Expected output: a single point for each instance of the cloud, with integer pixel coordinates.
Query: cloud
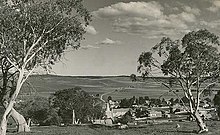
(147, 18)
(131, 9)
(213, 9)
(90, 29)
(215, 6)
(215, 24)
(89, 47)
(187, 17)
(194, 11)
(108, 41)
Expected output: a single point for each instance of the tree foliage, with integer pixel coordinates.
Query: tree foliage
(78, 100)
(133, 77)
(39, 111)
(193, 61)
(36, 34)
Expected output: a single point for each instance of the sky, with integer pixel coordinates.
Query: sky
(122, 29)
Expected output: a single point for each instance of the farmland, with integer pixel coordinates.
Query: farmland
(121, 86)
(44, 85)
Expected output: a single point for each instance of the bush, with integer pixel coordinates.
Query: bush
(126, 118)
(84, 105)
(39, 111)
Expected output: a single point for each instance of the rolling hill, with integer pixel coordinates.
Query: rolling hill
(118, 86)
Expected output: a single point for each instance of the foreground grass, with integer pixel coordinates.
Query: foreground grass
(186, 128)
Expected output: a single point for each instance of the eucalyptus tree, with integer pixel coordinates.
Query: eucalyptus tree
(133, 77)
(193, 62)
(85, 106)
(35, 34)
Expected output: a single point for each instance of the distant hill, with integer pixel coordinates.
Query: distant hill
(47, 84)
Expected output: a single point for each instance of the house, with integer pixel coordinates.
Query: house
(113, 104)
(117, 113)
(154, 114)
(207, 113)
(177, 108)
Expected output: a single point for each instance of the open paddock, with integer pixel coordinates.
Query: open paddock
(186, 128)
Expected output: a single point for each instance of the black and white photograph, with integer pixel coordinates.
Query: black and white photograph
(109, 67)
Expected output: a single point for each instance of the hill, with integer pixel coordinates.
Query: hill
(118, 86)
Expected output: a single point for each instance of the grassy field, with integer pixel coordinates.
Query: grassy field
(47, 84)
(186, 128)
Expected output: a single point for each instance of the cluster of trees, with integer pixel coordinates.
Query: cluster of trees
(59, 107)
(34, 34)
(151, 102)
(127, 103)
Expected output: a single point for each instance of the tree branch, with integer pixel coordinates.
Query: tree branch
(31, 57)
(54, 26)
(29, 73)
(12, 63)
(171, 90)
(207, 87)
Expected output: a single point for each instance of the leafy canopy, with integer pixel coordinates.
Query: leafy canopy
(195, 55)
(78, 100)
(37, 32)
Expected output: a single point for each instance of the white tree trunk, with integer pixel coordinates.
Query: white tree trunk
(10, 104)
(3, 126)
(200, 122)
(74, 118)
(22, 125)
(20, 121)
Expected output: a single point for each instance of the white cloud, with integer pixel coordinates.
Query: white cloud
(148, 18)
(108, 41)
(90, 29)
(194, 11)
(188, 17)
(175, 9)
(89, 47)
(131, 9)
(213, 9)
(216, 3)
(215, 6)
(212, 24)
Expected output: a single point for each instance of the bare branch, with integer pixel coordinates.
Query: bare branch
(28, 74)
(54, 26)
(31, 48)
(207, 87)
(14, 65)
(34, 54)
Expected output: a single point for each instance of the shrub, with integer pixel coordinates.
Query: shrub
(39, 111)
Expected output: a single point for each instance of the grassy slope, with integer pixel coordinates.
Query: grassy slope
(47, 84)
(186, 128)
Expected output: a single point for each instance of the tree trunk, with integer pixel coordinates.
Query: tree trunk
(20, 121)
(200, 122)
(74, 118)
(22, 125)
(9, 105)
(3, 126)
